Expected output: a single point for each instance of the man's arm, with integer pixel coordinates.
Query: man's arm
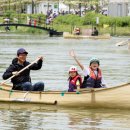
(9, 72)
(37, 65)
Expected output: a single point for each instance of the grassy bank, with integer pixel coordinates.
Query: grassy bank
(119, 26)
(23, 19)
(113, 25)
(118, 31)
(23, 30)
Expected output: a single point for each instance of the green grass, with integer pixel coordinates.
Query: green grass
(66, 23)
(24, 30)
(119, 31)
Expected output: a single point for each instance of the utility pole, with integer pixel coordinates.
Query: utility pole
(80, 9)
(58, 6)
(9, 4)
(32, 7)
(48, 6)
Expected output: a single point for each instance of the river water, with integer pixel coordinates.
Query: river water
(115, 64)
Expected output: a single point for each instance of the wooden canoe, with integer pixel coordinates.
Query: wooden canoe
(72, 36)
(114, 97)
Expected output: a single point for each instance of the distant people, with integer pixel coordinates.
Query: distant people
(47, 21)
(75, 80)
(7, 28)
(39, 20)
(22, 81)
(35, 22)
(95, 32)
(93, 77)
(54, 15)
(77, 30)
(29, 19)
(6, 21)
(30, 22)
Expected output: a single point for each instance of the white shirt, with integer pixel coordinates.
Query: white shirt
(87, 72)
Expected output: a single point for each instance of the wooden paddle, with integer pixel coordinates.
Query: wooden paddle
(122, 43)
(20, 71)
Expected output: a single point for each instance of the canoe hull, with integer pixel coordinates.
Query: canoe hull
(116, 97)
(71, 36)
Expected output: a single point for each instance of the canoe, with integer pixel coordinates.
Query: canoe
(113, 97)
(67, 35)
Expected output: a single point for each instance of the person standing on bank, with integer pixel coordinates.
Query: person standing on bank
(22, 81)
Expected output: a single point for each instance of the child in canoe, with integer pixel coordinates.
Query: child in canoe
(75, 80)
(92, 75)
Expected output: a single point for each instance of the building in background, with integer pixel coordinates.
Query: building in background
(42, 7)
(55, 5)
(119, 8)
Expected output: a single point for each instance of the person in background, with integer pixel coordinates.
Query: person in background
(22, 81)
(75, 80)
(93, 77)
(77, 31)
(95, 32)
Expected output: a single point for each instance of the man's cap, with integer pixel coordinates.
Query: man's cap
(21, 51)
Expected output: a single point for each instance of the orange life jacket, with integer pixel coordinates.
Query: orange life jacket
(72, 83)
(94, 76)
(92, 80)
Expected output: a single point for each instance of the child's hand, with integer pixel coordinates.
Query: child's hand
(72, 53)
(103, 86)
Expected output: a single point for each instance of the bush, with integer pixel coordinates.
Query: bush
(69, 19)
(90, 18)
(9, 13)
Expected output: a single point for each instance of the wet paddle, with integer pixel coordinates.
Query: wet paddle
(122, 43)
(20, 71)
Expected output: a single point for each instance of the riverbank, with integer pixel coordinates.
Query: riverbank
(115, 26)
(119, 31)
(22, 30)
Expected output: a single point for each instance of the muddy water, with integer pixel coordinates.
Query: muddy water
(115, 63)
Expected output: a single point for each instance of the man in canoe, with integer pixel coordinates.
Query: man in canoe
(93, 75)
(22, 81)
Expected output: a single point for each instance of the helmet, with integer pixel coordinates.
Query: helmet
(73, 69)
(94, 60)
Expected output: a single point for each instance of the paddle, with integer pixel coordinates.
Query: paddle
(20, 71)
(122, 43)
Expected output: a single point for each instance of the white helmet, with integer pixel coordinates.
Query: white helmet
(73, 69)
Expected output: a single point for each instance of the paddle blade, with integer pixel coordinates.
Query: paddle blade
(122, 43)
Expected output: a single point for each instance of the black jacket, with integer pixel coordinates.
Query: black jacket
(23, 76)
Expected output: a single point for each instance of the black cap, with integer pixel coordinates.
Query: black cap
(21, 51)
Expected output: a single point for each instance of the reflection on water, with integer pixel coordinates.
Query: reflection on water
(115, 63)
(48, 118)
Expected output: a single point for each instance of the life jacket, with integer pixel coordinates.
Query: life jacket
(93, 80)
(72, 82)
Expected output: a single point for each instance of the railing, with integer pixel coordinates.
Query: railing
(49, 29)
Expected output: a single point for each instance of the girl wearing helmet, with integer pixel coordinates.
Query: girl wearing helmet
(93, 75)
(75, 80)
